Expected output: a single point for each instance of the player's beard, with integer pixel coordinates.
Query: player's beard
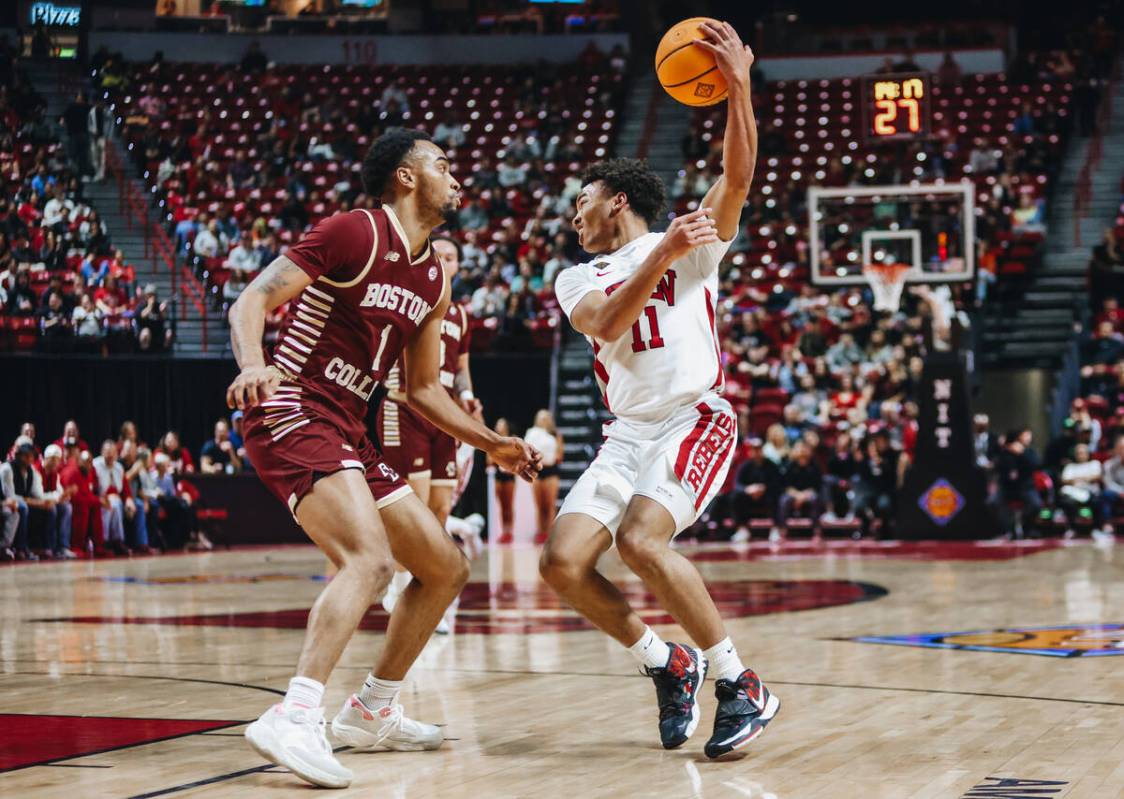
(449, 212)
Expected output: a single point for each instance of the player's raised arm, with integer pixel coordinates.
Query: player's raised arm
(426, 394)
(739, 146)
(608, 317)
(278, 283)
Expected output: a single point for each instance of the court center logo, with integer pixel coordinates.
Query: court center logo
(941, 502)
(1070, 641)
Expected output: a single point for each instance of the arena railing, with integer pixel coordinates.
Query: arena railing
(1083, 192)
(133, 208)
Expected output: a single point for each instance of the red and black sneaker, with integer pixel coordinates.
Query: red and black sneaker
(745, 706)
(677, 689)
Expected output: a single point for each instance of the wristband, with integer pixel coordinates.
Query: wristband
(467, 394)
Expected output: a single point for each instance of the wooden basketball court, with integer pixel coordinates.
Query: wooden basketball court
(137, 678)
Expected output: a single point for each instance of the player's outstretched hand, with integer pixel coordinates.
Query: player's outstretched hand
(252, 386)
(731, 56)
(689, 231)
(518, 457)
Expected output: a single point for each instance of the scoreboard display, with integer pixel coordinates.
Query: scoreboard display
(897, 106)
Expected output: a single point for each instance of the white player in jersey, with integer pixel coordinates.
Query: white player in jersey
(647, 303)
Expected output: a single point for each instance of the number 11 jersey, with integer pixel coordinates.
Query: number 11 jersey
(670, 358)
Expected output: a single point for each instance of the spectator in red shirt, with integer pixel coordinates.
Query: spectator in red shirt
(71, 437)
(27, 429)
(78, 477)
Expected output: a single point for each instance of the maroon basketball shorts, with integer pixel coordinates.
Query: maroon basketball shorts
(416, 447)
(289, 465)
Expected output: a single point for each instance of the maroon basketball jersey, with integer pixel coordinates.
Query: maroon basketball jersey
(454, 342)
(344, 331)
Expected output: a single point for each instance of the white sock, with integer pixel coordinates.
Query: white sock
(303, 692)
(376, 693)
(456, 526)
(650, 650)
(401, 580)
(724, 661)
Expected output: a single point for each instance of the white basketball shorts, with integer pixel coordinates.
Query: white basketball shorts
(681, 463)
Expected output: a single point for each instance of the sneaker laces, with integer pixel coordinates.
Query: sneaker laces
(392, 722)
(314, 718)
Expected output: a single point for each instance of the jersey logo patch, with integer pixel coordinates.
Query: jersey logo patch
(433, 273)
(392, 256)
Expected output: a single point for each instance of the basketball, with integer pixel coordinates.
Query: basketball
(686, 72)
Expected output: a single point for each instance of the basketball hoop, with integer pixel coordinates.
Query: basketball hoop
(886, 281)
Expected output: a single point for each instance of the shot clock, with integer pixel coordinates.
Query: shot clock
(897, 106)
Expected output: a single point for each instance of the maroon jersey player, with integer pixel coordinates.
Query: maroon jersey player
(364, 288)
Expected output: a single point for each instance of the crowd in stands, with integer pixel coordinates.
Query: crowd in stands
(247, 161)
(66, 500)
(63, 286)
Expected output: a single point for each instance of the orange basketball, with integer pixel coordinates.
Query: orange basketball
(686, 72)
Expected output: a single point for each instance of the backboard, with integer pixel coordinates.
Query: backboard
(930, 227)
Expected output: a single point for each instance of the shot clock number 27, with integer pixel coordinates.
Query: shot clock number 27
(896, 106)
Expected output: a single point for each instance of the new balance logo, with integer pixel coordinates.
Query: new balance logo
(392, 256)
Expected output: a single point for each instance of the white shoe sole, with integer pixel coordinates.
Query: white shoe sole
(261, 738)
(696, 711)
(362, 741)
(771, 709)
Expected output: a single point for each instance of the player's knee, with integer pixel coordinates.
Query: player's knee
(638, 549)
(556, 569)
(461, 571)
(375, 569)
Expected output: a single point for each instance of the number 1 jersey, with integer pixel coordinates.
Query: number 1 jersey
(670, 357)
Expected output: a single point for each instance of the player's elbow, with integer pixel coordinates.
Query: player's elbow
(606, 326)
(243, 307)
(419, 395)
(739, 181)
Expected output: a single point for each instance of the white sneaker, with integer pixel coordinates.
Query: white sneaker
(360, 728)
(775, 536)
(740, 536)
(1104, 538)
(295, 739)
(474, 544)
(448, 623)
(394, 590)
(477, 521)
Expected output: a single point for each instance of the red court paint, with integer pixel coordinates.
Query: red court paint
(31, 740)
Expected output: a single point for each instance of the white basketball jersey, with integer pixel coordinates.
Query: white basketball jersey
(670, 358)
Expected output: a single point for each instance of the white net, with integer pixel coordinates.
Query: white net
(887, 282)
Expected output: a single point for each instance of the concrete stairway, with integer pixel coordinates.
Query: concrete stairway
(1038, 334)
(664, 150)
(579, 410)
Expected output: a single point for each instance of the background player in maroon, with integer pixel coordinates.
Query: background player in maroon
(365, 288)
(412, 445)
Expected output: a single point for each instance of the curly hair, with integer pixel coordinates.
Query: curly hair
(447, 237)
(643, 187)
(385, 155)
